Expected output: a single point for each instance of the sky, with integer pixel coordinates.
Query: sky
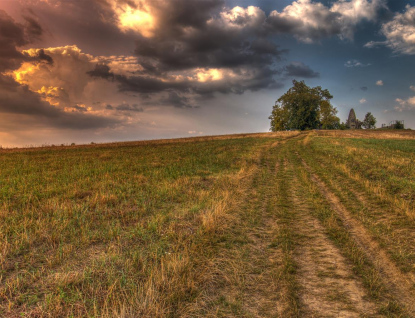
(115, 70)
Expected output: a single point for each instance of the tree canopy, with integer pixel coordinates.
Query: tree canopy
(399, 125)
(369, 122)
(303, 107)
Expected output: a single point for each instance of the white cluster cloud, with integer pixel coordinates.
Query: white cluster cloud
(355, 63)
(352, 12)
(238, 17)
(379, 83)
(362, 101)
(399, 33)
(412, 88)
(310, 21)
(407, 104)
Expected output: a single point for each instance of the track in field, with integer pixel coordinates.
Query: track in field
(298, 246)
(297, 269)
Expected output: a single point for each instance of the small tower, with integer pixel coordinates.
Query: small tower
(351, 121)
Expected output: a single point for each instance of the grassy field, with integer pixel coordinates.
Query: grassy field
(314, 224)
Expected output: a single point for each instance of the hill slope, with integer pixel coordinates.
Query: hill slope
(289, 224)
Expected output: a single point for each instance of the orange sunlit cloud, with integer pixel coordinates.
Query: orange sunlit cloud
(136, 16)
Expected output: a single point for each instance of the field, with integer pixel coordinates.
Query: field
(311, 224)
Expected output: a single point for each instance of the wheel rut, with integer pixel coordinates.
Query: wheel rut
(264, 293)
(400, 285)
(328, 287)
(253, 285)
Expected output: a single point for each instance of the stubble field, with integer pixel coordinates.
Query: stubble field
(314, 224)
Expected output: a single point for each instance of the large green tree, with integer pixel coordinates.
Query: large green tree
(369, 122)
(303, 107)
(328, 118)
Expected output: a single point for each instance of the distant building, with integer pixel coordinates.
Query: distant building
(352, 121)
(395, 124)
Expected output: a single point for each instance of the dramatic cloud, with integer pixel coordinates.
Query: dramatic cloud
(185, 50)
(298, 69)
(72, 81)
(62, 79)
(311, 21)
(379, 83)
(150, 18)
(19, 99)
(17, 96)
(399, 33)
(91, 24)
(355, 63)
(194, 49)
(101, 70)
(190, 50)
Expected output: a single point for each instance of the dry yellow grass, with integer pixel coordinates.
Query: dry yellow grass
(209, 226)
(368, 133)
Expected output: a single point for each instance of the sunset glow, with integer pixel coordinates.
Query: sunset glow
(209, 75)
(138, 20)
(50, 94)
(21, 74)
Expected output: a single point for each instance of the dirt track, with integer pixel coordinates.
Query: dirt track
(316, 275)
(401, 285)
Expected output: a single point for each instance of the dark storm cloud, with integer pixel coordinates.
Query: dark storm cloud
(298, 69)
(12, 35)
(192, 36)
(34, 29)
(363, 88)
(203, 34)
(148, 85)
(44, 57)
(101, 70)
(91, 22)
(18, 99)
(174, 15)
(256, 79)
(212, 47)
